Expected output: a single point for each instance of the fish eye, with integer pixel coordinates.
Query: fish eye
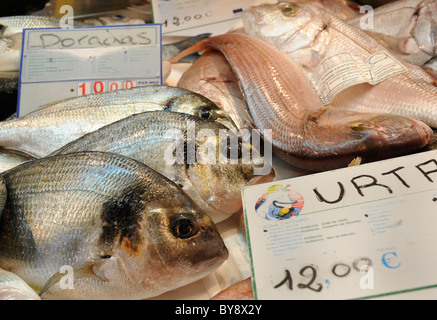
(361, 126)
(207, 113)
(184, 228)
(288, 9)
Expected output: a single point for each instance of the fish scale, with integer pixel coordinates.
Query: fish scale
(304, 133)
(108, 217)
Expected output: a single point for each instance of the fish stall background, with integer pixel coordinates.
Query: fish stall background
(85, 9)
(238, 266)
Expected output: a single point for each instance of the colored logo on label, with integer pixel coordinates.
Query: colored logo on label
(279, 203)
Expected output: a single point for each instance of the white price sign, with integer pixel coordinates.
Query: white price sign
(192, 17)
(360, 232)
(63, 63)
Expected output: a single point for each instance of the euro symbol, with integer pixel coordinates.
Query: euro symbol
(389, 258)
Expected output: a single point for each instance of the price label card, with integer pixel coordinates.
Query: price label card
(192, 17)
(360, 232)
(63, 63)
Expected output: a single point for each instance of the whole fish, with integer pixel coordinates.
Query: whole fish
(304, 132)
(408, 28)
(12, 158)
(12, 287)
(47, 129)
(97, 225)
(308, 34)
(213, 183)
(212, 77)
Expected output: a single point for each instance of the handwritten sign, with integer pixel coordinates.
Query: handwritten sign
(192, 17)
(360, 232)
(63, 63)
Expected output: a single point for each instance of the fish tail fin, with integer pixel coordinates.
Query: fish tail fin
(184, 44)
(199, 46)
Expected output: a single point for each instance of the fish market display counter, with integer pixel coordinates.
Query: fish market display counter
(347, 117)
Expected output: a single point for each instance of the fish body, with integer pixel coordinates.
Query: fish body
(115, 228)
(11, 158)
(308, 34)
(16, 24)
(52, 126)
(304, 132)
(408, 28)
(13, 287)
(158, 138)
(212, 76)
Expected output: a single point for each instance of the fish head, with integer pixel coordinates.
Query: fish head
(176, 244)
(226, 162)
(200, 106)
(293, 28)
(371, 136)
(425, 29)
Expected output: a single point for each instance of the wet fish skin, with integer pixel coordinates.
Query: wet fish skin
(408, 28)
(311, 34)
(305, 133)
(13, 287)
(152, 137)
(212, 76)
(15, 24)
(125, 230)
(12, 158)
(343, 9)
(52, 126)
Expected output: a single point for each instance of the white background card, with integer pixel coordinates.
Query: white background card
(192, 17)
(360, 232)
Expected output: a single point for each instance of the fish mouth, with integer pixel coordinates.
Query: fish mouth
(212, 263)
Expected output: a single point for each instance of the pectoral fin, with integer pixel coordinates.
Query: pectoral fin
(85, 268)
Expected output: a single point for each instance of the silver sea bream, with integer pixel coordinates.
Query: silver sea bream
(52, 126)
(209, 162)
(121, 229)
